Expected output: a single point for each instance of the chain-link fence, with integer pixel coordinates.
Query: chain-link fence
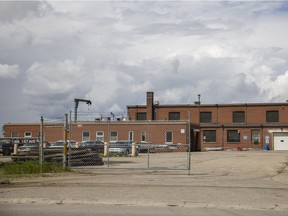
(51, 133)
(42, 147)
(134, 145)
(161, 145)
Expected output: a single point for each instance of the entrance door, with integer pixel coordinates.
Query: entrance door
(281, 141)
(194, 140)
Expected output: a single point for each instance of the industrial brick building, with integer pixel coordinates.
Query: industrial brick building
(249, 125)
(202, 126)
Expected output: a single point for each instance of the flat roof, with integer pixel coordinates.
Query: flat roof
(214, 105)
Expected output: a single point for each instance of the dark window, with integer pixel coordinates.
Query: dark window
(100, 136)
(238, 117)
(85, 136)
(209, 135)
(174, 115)
(205, 117)
(15, 135)
(255, 136)
(141, 116)
(143, 136)
(233, 136)
(169, 137)
(272, 116)
(113, 136)
(131, 135)
(27, 134)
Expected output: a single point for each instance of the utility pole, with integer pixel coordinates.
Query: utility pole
(76, 102)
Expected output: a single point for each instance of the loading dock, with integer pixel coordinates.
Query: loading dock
(280, 140)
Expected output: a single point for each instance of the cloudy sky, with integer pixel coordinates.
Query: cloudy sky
(112, 53)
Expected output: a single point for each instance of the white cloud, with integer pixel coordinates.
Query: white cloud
(269, 32)
(115, 108)
(227, 51)
(9, 71)
(13, 37)
(15, 10)
(56, 77)
(56, 84)
(279, 87)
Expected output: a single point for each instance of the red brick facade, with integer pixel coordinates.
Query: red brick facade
(139, 132)
(254, 128)
(251, 125)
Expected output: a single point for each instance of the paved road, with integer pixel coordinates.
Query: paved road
(114, 210)
(221, 183)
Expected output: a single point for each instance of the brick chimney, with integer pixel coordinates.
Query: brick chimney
(150, 105)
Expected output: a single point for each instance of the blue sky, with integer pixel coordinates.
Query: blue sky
(112, 53)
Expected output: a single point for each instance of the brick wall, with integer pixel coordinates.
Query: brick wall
(221, 122)
(155, 131)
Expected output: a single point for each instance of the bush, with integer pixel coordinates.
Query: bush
(31, 167)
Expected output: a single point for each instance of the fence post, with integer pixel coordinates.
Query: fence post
(15, 148)
(189, 143)
(108, 146)
(133, 150)
(41, 146)
(70, 138)
(105, 149)
(65, 141)
(149, 142)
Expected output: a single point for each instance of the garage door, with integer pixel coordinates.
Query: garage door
(280, 141)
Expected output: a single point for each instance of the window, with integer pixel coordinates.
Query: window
(27, 135)
(143, 136)
(255, 136)
(272, 116)
(131, 136)
(205, 117)
(233, 136)
(141, 116)
(174, 115)
(85, 136)
(169, 137)
(100, 136)
(209, 135)
(15, 135)
(113, 136)
(238, 117)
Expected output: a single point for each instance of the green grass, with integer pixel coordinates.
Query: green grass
(31, 167)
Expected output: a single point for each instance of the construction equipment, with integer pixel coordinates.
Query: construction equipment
(76, 102)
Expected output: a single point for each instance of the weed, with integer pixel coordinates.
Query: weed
(32, 167)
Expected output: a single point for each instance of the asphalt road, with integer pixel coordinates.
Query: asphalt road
(115, 210)
(221, 183)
